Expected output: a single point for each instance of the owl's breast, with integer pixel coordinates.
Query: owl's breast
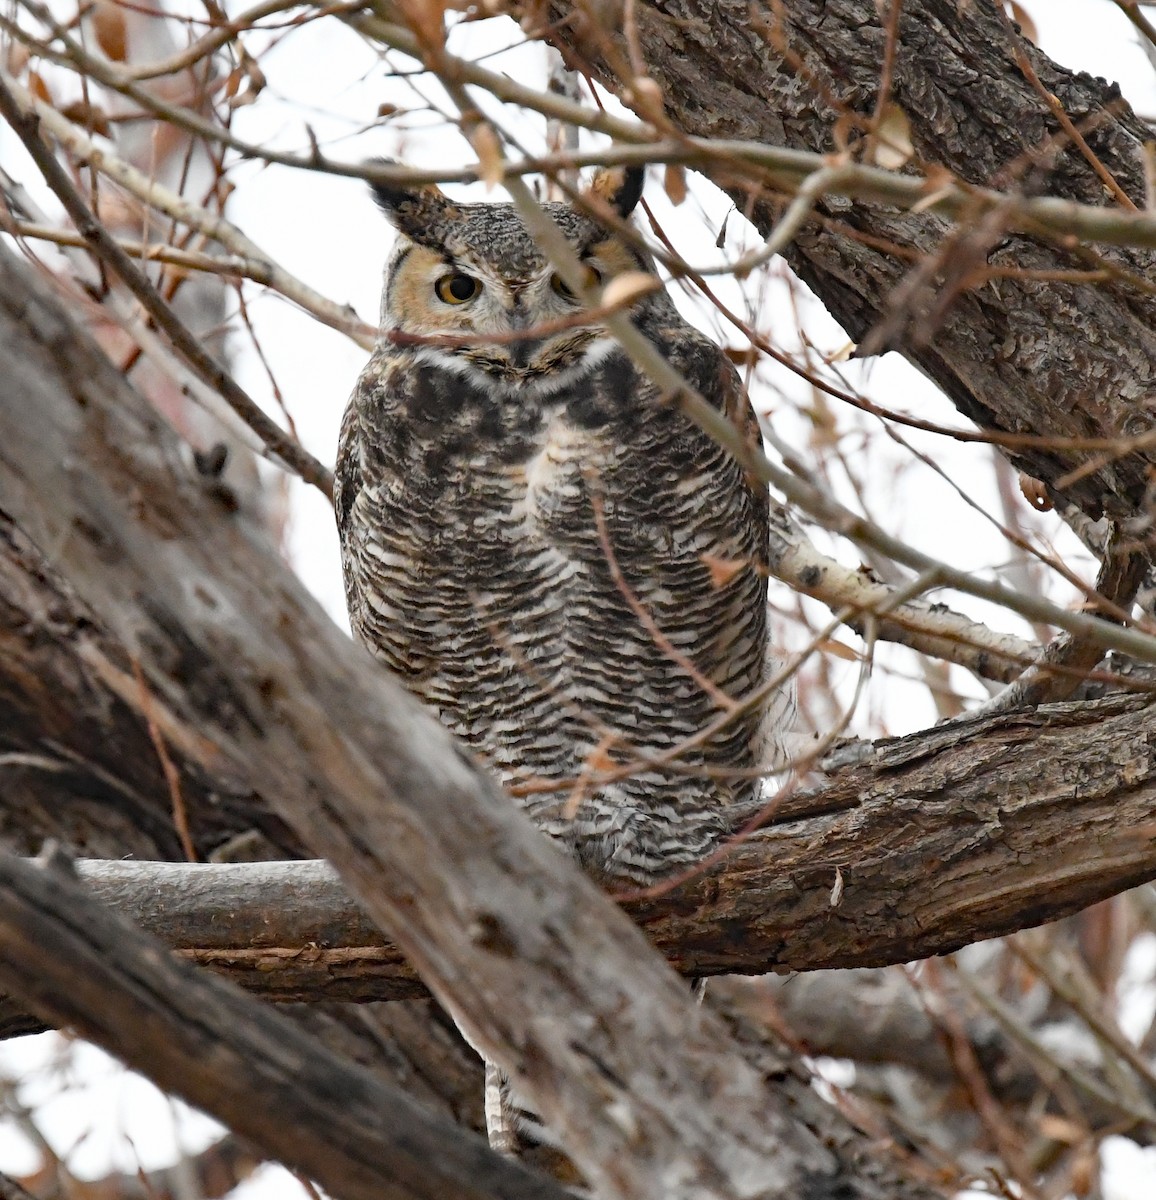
(556, 474)
(451, 424)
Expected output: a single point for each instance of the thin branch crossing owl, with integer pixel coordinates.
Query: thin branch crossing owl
(546, 551)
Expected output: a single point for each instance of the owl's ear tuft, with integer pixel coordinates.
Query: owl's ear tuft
(420, 213)
(620, 187)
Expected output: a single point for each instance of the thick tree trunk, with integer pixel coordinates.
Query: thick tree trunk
(80, 762)
(934, 841)
(86, 968)
(1019, 354)
(235, 670)
(144, 625)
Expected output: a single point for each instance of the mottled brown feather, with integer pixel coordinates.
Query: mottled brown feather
(477, 490)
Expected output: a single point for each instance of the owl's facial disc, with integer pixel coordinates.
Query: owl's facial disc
(528, 329)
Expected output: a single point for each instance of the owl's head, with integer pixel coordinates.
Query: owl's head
(469, 270)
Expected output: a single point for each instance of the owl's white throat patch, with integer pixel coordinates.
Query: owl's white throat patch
(510, 381)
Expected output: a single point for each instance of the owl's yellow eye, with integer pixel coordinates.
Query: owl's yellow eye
(457, 288)
(562, 288)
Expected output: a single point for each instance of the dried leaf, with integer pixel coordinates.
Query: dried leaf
(674, 182)
(720, 241)
(838, 650)
(624, 289)
(246, 69)
(488, 148)
(88, 116)
(257, 80)
(648, 98)
(1061, 1129)
(1036, 493)
(111, 29)
(893, 145)
(428, 20)
(39, 88)
(722, 570)
(742, 356)
(1023, 19)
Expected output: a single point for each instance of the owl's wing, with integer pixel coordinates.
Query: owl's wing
(703, 363)
(347, 476)
(706, 365)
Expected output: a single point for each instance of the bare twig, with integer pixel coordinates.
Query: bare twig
(1057, 672)
(806, 495)
(259, 265)
(276, 443)
(778, 167)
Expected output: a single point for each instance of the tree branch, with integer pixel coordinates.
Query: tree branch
(1011, 351)
(83, 967)
(940, 839)
(275, 441)
(208, 635)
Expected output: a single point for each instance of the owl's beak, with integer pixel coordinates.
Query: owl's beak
(522, 352)
(524, 349)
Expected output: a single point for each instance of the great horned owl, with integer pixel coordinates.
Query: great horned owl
(546, 551)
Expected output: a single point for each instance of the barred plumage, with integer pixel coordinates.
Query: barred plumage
(569, 572)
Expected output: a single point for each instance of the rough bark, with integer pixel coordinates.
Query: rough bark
(1013, 354)
(84, 967)
(1020, 355)
(237, 670)
(79, 762)
(81, 766)
(937, 840)
(80, 965)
